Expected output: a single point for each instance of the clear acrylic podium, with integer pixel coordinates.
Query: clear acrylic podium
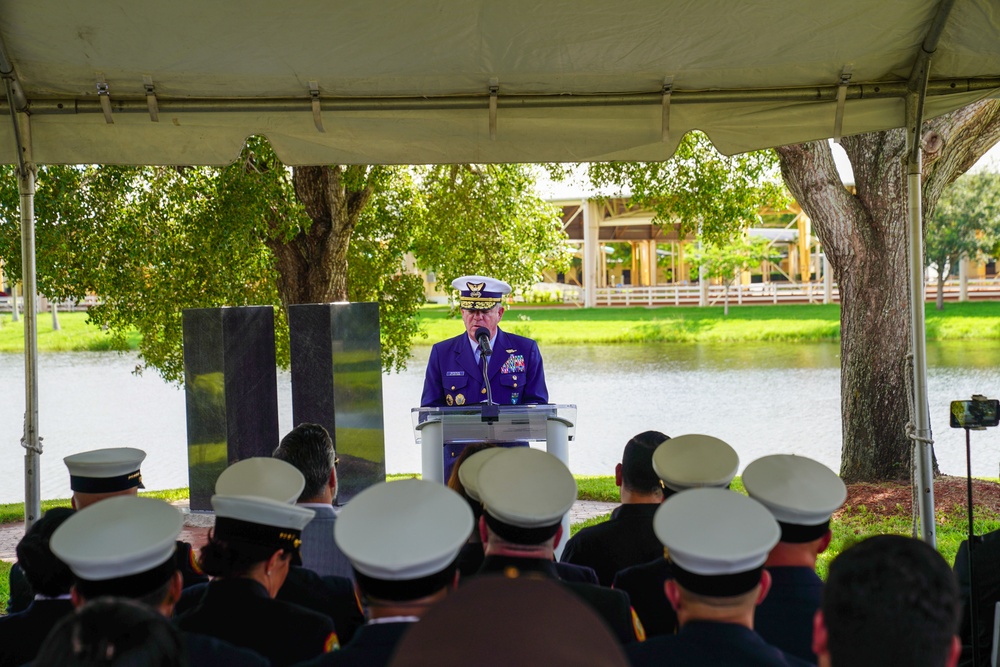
(555, 425)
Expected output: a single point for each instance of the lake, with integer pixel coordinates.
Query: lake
(761, 398)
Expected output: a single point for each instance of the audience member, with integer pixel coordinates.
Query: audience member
(22, 634)
(525, 493)
(403, 539)
(718, 542)
(498, 622)
(889, 601)
(684, 462)
(987, 566)
(124, 547)
(627, 538)
(254, 543)
(310, 449)
(330, 595)
(113, 632)
(94, 476)
(802, 495)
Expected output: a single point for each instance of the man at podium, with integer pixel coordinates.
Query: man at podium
(457, 366)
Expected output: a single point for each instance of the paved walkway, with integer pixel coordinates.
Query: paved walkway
(196, 525)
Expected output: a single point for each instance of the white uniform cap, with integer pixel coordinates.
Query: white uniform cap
(264, 477)
(797, 489)
(403, 530)
(480, 292)
(526, 488)
(262, 511)
(105, 470)
(118, 537)
(714, 532)
(695, 460)
(468, 472)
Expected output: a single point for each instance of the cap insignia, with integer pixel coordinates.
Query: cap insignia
(476, 289)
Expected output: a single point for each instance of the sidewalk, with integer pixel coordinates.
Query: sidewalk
(196, 526)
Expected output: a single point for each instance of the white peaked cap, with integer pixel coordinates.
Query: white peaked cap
(262, 511)
(118, 537)
(403, 530)
(468, 471)
(695, 460)
(489, 284)
(263, 477)
(797, 489)
(113, 469)
(527, 488)
(713, 532)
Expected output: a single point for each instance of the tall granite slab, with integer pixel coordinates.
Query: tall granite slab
(231, 391)
(336, 359)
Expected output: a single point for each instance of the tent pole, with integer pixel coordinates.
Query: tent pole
(30, 441)
(923, 460)
(26, 187)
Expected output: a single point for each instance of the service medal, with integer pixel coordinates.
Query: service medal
(449, 400)
(460, 399)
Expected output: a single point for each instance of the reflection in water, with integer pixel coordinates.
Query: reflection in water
(762, 398)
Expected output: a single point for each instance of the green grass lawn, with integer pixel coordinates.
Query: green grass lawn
(74, 335)
(782, 323)
(595, 326)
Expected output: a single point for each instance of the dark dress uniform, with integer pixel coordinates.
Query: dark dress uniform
(205, 651)
(239, 611)
(785, 617)
(701, 643)
(612, 606)
(470, 559)
(372, 646)
(987, 566)
(331, 596)
(644, 586)
(22, 634)
(515, 371)
(626, 539)
(21, 594)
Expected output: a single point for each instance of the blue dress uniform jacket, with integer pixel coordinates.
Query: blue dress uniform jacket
(644, 585)
(785, 617)
(625, 540)
(372, 646)
(22, 634)
(515, 371)
(612, 606)
(239, 611)
(700, 643)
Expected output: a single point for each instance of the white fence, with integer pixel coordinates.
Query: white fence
(44, 305)
(773, 293)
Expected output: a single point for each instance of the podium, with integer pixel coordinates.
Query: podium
(555, 425)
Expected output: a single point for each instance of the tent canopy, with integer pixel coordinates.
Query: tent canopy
(397, 81)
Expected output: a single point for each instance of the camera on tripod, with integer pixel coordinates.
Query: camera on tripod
(977, 414)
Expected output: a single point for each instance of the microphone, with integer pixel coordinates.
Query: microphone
(483, 336)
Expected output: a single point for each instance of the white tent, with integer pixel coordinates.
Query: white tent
(394, 81)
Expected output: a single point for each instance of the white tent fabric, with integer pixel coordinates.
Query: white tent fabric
(409, 82)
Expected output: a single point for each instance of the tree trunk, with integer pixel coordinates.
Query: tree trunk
(864, 235)
(312, 266)
(939, 301)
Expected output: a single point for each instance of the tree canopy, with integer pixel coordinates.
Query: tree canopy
(152, 241)
(965, 223)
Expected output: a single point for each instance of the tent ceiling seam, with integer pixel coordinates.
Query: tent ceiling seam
(829, 93)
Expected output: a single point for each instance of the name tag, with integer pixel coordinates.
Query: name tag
(453, 374)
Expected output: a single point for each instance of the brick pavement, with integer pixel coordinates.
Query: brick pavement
(196, 525)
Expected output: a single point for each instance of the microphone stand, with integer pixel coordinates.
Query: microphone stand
(491, 411)
(973, 600)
